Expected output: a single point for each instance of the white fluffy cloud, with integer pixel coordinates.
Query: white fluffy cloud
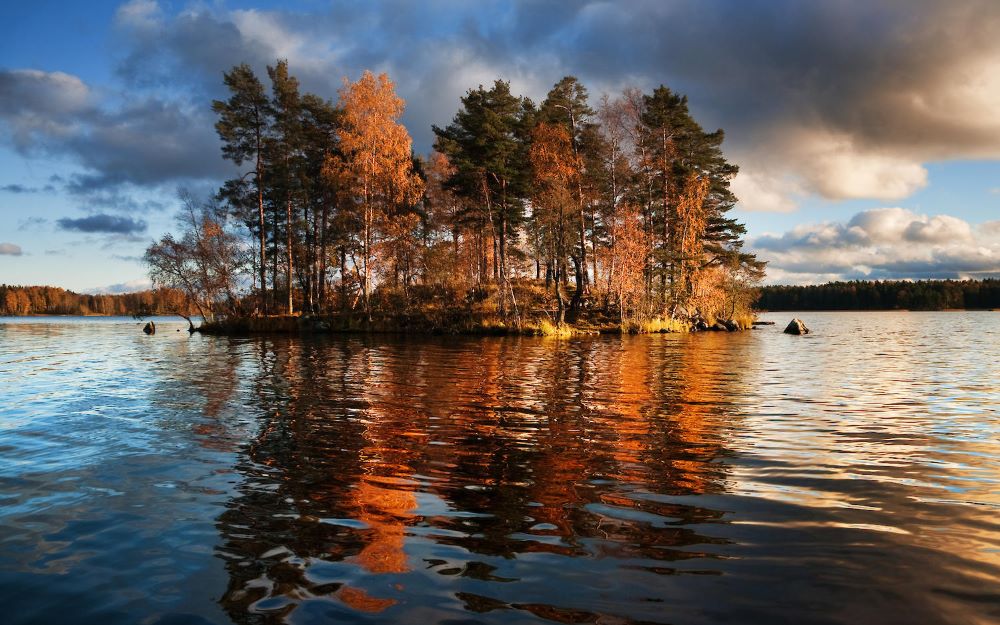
(764, 192)
(882, 243)
(132, 286)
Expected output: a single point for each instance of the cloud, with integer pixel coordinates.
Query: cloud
(764, 192)
(9, 249)
(842, 96)
(104, 224)
(31, 223)
(139, 15)
(144, 140)
(132, 286)
(17, 188)
(839, 99)
(36, 94)
(883, 243)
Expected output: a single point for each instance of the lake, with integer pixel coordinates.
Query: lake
(847, 476)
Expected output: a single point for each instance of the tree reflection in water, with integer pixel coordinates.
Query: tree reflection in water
(441, 477)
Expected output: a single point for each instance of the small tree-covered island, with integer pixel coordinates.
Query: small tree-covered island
(554, 218)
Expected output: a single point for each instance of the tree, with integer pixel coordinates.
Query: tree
(554, 176)
(566, 105)
(374, 169)
(205, 263)
(683, 163)
(319, 141)
(286, 155)
(626, 274)
(487, 144)
(245, 122)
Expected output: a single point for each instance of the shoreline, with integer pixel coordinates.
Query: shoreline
(485, 326)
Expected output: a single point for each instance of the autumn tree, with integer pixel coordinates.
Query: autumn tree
(566, 105)
(374, 169)
(688, 180)
(627, 264)
(205, 262)
(554, 174)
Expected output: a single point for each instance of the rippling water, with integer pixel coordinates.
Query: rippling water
(848, 476)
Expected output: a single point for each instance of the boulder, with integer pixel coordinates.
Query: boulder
(149, 328)
(719, 327)
(731, 325)
(795, 326)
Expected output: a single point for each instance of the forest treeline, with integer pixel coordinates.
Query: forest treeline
(883, 295)
(615, 209)
(50, 300)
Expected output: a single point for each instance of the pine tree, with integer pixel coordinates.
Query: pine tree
(487, 144)
(245, 126)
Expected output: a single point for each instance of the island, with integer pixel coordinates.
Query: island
(554, 218)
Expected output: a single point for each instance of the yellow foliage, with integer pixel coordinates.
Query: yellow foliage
(661, 324)
(547, 328)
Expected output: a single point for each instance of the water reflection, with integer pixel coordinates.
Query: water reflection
(475, 475)
(841, 477)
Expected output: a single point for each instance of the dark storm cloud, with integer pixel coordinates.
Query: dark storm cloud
(145, 142)
(103, 224)
(844, 99)
(852, 97)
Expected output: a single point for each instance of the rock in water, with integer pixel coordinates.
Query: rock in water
(149, 328)
(795, 326)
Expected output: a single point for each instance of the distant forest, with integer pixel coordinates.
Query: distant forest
(50, 300)
(883, 295)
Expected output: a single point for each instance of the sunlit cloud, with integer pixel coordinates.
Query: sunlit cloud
(883, 243)
(10, 249)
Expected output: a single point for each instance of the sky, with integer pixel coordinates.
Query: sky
(867, 132)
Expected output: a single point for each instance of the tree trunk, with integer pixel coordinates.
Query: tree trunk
(288, 251)
(574, 304)
(263, 235)
(560, 306)
(322, 259)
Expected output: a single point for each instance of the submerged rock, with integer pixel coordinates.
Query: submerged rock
(149, 328)
(795, 326)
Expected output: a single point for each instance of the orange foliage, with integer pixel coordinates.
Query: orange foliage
(376, 170)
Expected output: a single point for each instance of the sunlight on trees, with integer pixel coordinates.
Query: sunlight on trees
(558, 212)
(205, 262)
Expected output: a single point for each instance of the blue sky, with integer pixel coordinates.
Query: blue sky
(868, 133)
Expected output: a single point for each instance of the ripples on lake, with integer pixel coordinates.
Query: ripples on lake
(849, 476)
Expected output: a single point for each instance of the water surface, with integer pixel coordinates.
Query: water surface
(848, 476)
